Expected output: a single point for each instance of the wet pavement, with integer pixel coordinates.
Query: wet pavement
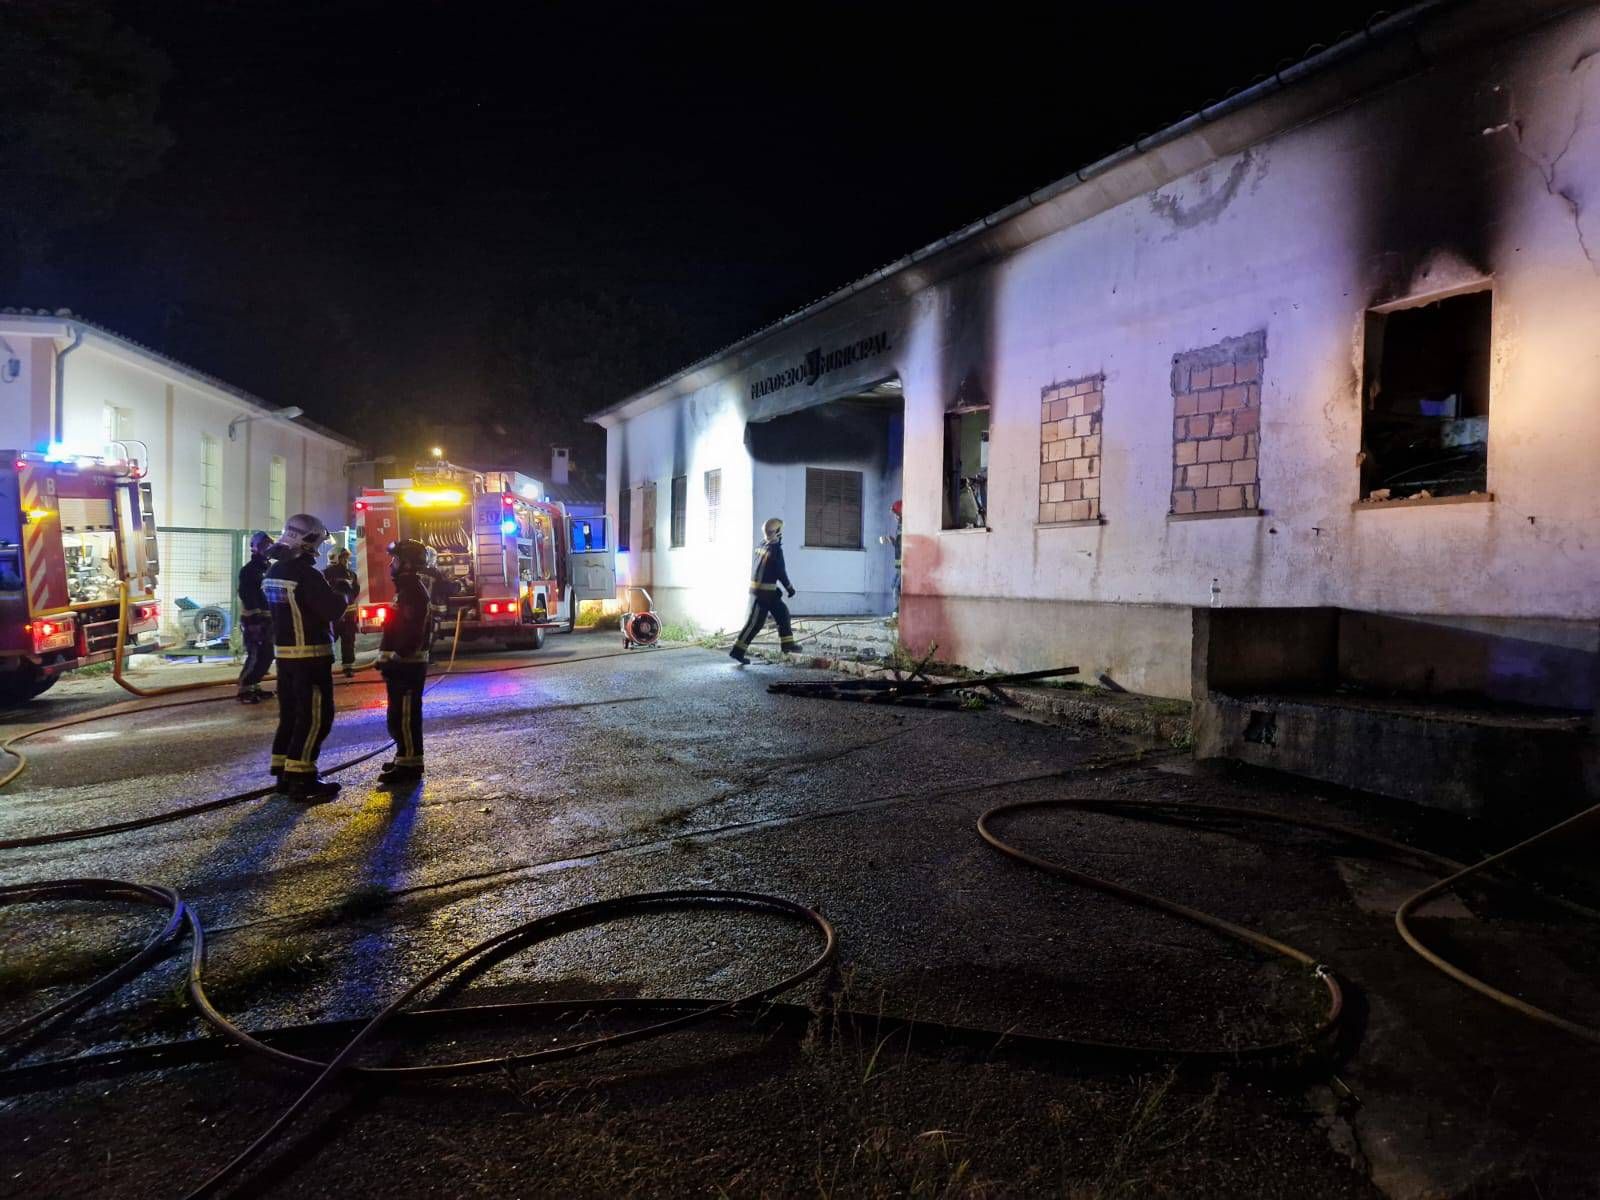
(593, 773)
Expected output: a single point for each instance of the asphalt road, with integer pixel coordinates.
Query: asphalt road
(594, 773)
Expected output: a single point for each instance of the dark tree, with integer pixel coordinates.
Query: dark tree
(79, 95)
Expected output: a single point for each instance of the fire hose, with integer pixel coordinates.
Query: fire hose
(678, 1013)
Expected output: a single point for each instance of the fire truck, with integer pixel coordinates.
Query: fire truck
(514, 566)
(73, 532)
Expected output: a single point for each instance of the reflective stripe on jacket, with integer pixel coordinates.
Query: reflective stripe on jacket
(304, 608)
(405, 635)
(769, 570)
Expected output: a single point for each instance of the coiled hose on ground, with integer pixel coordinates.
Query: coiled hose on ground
(679, 1012)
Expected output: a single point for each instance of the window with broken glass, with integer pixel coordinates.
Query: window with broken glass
(1425, 403)
(966, 467)
(647, 517)
(624, 519)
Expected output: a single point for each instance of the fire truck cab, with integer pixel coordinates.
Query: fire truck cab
(512, 566)
(73, 530)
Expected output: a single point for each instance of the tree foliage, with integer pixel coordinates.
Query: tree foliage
(79, 95)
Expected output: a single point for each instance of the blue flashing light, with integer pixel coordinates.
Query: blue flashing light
(509, 525)
(56, 452)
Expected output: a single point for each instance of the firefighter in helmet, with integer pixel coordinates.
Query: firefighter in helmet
(765, 600)
(403, 660)
(304, 608)
(255, 621)
(440, 589)
(344, 581)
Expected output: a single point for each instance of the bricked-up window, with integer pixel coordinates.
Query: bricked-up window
(966, 467)
(1425, 410)
(1216, 429)
(647, 517)
(625, 519)
(713, 504)
(833, 509)
(680, 510)
(1069, 450)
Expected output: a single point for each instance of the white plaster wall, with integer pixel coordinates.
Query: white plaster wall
(96, 376)
(1285, 240)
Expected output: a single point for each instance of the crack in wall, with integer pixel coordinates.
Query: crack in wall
(1547, 171)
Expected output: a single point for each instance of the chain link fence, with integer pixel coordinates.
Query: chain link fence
(198, 584)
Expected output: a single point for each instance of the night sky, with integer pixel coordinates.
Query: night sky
(523, 212)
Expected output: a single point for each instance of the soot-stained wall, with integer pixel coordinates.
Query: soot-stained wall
(1482, 170)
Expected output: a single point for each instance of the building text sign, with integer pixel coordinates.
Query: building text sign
(818, 363)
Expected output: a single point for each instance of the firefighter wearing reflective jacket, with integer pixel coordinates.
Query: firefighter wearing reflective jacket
(765, 600)
(304, 608)
(255, 621)
(344, 581)
(403, 660)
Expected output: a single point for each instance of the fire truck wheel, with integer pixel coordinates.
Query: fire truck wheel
(532, 640)
(20, 686)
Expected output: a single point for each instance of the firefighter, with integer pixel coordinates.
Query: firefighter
(440, 590)
(304, 608)
(403, 660)
(343, 580)
(764, 598)
(255, 621)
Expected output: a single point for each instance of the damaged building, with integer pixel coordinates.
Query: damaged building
(1322, 356)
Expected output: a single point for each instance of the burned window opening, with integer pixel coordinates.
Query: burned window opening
(1425, 415)
(966, 467)
(833, 509)
(679, 530)
(624, 519)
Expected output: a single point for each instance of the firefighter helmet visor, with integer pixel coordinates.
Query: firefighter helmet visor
(302, 534)
(407, 554)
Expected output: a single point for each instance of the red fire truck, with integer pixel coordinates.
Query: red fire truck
(516, 565)
(73, 531)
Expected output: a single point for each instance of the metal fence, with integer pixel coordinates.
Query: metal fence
(198, 586)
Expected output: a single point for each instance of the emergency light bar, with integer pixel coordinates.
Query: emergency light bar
(434, 498)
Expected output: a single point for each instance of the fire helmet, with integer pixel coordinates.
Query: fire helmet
(260, 542)
(302, 534)
(772, 530)
(408, 554)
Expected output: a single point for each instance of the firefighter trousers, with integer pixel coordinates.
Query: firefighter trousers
(305, 713)
(404, 682)
(345, 627)
(257, 635)
(762, 605)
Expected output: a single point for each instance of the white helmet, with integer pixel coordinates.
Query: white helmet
(773, 529)
(302, 534)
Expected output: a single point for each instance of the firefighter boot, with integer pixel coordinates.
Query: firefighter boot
(349, 671)
(396, 775)
(308, 789)
(739, 656)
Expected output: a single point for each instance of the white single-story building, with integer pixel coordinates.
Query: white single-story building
(1334, 341)
(221, 462)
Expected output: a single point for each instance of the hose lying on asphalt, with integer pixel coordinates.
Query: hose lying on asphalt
(1454, 874)
(675, 1014)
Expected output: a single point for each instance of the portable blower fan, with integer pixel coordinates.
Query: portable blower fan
(640, 628)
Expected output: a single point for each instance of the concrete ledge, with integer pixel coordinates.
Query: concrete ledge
(1473, 762)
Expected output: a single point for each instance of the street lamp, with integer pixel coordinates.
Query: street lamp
(281, 414)
(437, 452)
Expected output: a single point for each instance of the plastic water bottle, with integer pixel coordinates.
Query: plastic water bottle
(1216, 594)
